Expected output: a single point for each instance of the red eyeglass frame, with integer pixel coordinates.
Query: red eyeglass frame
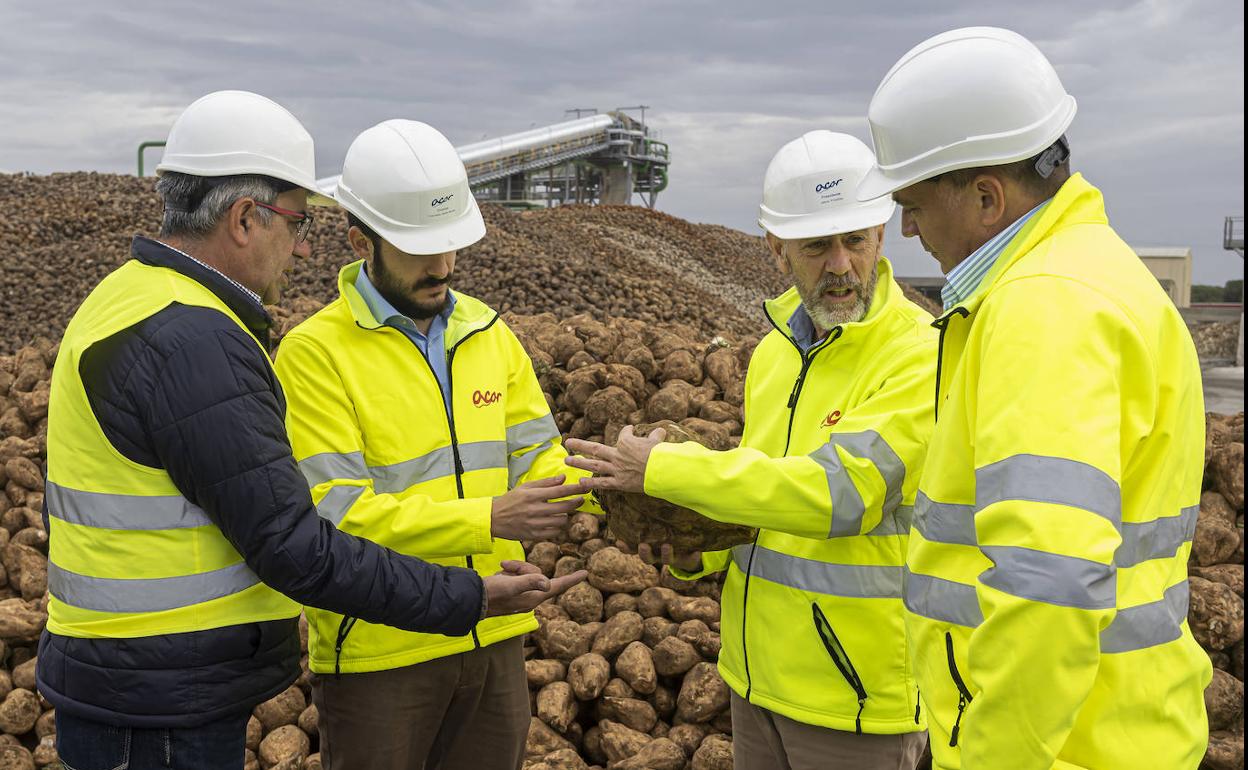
(302, 227)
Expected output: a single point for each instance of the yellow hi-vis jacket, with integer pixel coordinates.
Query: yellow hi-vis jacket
(813, 624)
(1047, 575)
(128, 555)
(371, 432)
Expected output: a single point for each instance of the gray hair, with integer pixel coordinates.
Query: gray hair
(194, 205)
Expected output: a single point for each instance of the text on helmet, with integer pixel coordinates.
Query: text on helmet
(823, 186)
(439, 201)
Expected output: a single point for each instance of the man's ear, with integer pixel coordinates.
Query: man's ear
(777, 252)
(990, 200)
(361, 244)
(241, 221)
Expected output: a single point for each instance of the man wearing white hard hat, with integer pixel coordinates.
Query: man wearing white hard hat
(419, 423)
(1047, 590)
(837, 415)
(181, 537)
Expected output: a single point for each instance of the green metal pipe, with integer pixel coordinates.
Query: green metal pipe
(143, 146)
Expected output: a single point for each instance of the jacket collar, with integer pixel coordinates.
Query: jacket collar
(780, 310)
(1076, 203)
(250, 312)
(469, 315)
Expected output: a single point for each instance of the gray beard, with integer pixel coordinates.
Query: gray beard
(824, 317)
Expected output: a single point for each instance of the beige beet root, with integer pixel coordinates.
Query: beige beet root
(19, 711)
(715, 753)
(629, 712)
(617, 603)
(15, 757)
(636, 667)
(588, 675)
(620, 742)
(557, 706)
(309, 720)
(541, 672)
(688, 736)
(684, 608)
(615, 572)
(565, 759)
(703, 694)
(542, 740)
(284, 744)
(638, 518)
(659, 754)
(656, 629)
(582, 602)
(563, 640)
(617, 633)
(282, 709)
(674, 656)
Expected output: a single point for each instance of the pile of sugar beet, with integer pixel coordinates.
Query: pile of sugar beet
(622, 670)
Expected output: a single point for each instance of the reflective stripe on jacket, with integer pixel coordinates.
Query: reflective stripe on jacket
(386, 461)
(813, 622)
(1047, 571)
(128, 555)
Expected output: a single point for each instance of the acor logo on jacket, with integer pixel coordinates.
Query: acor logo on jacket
(485, 398)
(832, 419)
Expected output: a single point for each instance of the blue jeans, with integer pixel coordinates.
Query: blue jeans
(87, 745)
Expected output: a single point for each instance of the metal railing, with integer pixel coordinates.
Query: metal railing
(1233, 235)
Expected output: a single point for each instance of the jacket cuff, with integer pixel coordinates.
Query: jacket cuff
(670, 471)
(479, 518)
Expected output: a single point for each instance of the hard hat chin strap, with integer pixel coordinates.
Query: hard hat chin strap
(1057, 154)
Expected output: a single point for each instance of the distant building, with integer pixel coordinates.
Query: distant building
(928, 286)
(1172, 266)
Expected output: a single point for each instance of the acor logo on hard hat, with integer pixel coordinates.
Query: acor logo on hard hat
(825, 186)
(439, 201)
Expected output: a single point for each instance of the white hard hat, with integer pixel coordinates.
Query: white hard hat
(229, 133)
(979, 96)
(404, 180)
(809, 188)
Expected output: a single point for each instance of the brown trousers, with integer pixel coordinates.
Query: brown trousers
(765, 740)
(463, 712)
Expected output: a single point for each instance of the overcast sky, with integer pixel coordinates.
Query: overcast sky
(1160, 85)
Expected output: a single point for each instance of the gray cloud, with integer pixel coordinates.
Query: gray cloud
(1160, 85)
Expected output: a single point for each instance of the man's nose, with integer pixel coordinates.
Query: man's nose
(837, 260)
(909, 227)
(303, 249)
(440, 267)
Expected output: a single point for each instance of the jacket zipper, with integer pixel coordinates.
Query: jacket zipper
(450, 419)
(348, 623)
(964, 694)
(796, 393)
(943, 325)
(841, 658)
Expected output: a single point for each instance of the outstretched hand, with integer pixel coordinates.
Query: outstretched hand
(621, 467)
(521, 586)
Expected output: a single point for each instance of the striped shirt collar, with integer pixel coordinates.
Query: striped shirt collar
(255, 297)
(964, 279)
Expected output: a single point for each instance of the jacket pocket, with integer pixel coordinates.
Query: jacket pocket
(841, 658)
(964, 693)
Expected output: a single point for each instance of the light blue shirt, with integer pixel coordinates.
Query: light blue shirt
(432, 344)
(803, 328)
(964, 279)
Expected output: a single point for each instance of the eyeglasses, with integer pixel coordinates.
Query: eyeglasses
(302, 227)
